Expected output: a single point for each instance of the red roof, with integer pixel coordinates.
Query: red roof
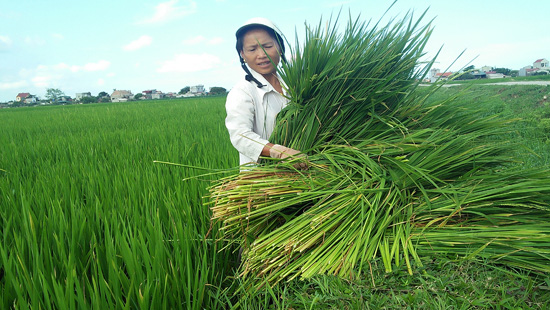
(446, 74)
(23, 95)
(539, 60)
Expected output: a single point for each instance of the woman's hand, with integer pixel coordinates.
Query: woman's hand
(282, 152)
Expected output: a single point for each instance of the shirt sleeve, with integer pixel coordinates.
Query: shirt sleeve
(240, 108)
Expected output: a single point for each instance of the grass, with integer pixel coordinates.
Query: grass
(90, 222)
(469, 285)
(527, 103)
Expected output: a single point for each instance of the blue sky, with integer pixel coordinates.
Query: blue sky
(81, 46)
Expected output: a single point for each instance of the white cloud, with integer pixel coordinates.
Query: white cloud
(167, 11)
(139, 43)
(189, 63)
(11, 85)
(100, 65)
(58, 36)
(194, 41)
(35, 41)
(25, 73)
(97, 66)
(5, 42)
(52, 75)
(216, 41)
(100, 82)
(200, 39)
(47, 75)
(44, 80)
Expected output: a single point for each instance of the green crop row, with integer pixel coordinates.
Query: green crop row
(90, 221)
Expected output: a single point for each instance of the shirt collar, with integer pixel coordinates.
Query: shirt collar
(268, 87)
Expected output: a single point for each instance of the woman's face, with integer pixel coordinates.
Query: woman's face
(255, 41)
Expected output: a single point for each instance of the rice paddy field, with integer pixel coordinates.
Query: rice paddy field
(93, 218)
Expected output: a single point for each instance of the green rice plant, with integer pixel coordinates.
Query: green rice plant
(391, 175)
(89, 221)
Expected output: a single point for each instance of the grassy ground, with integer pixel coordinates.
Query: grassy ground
(89, 221)
(529, 104)
(443, 284)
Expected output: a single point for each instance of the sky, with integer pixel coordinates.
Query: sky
(95, 46)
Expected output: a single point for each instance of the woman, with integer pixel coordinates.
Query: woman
(253, 104)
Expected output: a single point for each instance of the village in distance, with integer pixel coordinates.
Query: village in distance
(56, 96)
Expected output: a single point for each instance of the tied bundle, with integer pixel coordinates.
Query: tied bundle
(392, 175)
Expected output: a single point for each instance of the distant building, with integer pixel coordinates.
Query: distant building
(157, 95)
(64, 99)
(121, 95)
(152, 94)
(31, 99)
(21, 97)
(494, 75)
(539, 66)
(479, 74)
(197, 89)
(486, 68)
(435, 75)
(79, 96)
(26, 98)
(148, 94)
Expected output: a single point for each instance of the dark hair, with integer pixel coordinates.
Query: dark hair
(240, 43)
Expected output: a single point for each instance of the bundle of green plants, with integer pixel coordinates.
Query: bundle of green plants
(391, 174)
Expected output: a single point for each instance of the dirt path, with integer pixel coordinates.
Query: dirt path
(542, 83)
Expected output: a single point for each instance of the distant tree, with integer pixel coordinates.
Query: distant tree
(472, 67)
(138, 96)
(504, 71)
(465, 76)
(53, 94)
(184, 90)
(217, 90)
(90, 99)
(103, 97)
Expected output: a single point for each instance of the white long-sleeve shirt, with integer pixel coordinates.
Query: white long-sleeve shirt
(251, 114)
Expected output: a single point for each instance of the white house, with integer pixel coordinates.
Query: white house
(197, 89)
(21, 97)
(494, 75)
(541, 64)
(157, 95)
(26, 98)
(79, 96)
